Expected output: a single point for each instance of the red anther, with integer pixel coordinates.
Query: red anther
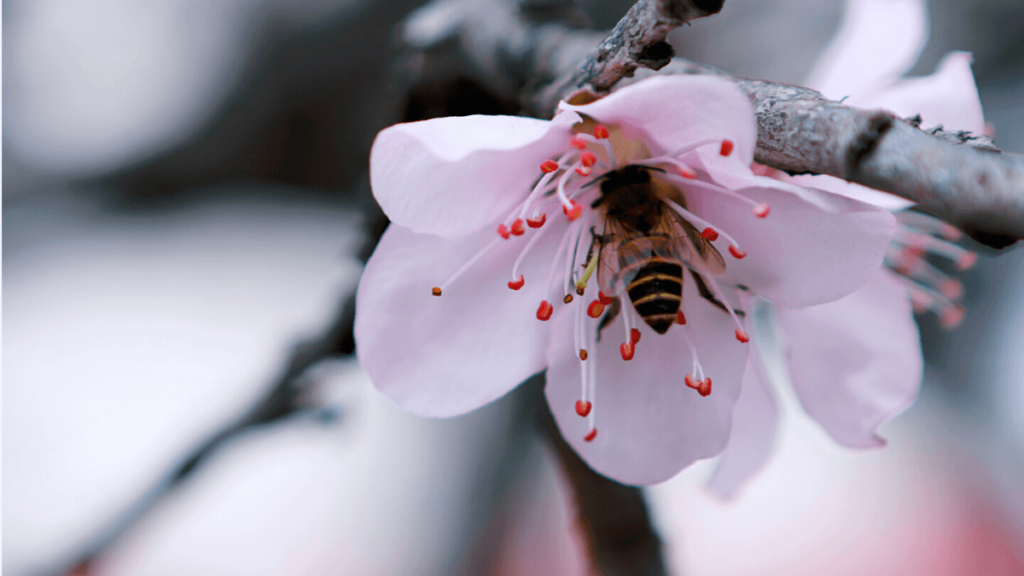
(595, 309)
(736, 252)
(517, 283)
(705, 387)
(583, 354)
(762, 210)
(544, 311)
(601, 132)
(517, 227)
(503, 231)
(692, 382)
(583, 407)
(742, 336)
(709, 233)
(588, 159)
(548, 166)
(952, 289)
(680, 317)
(687, 173)
(604, 298)
(967, 261)
(537, 222)
(574, 212)
(567, 299)
(577, 142)
(951, 317)
(435, 291)
(727, 147)
(584, 170)
(591, 435)
(627, 349)
(634, 336)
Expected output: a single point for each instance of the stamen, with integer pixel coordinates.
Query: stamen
(601, 132)
(544, 311)
(567, 299)
(929, 225)
(517, 283)
(517, 227)
(634, 336)
(681, 318)
(627, 349)
(705, 387)
(762, 210)
(709, 234)
(503, 231)
(573, 210)
(526, 250)
(727, 147)
(595, 309)
(436, 291)
(577, 142)
(548, 166)
(537, 222)
(591, 435)
(604, 298)
(583, 407)
(741, 334)
(736, 252)
(697, 220)
(583, 354)
(755, 206)
(697, 380)
(961, 256)
(588, 159)
(584, 170)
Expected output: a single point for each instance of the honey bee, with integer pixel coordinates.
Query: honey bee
(645, 247)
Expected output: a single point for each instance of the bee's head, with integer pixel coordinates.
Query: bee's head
(630, 175)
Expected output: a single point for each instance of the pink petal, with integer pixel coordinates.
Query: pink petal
(814, 247)
(948, 97)
(650, 425)
(884, 200)
(444, 356)
(754, 422)
(453, 176)
(855, 363)
(878, 42)
(675, 111)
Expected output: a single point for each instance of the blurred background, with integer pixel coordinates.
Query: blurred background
(184, 203)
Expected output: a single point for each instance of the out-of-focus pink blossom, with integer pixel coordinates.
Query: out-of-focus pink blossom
(855, 363)
(502, 261)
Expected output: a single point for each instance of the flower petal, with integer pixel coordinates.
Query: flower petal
(675, 111)
(878, 42)
(453, 176)
(855, 363)
(754, 423)
(814, 247)
(449, 355)
(884, 200)
(948, 97)
(650, 425)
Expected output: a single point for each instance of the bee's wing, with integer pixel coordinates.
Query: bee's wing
(693, 246)
(622, 252)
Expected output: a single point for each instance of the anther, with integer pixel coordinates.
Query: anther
(692, 382)
(604, 298)
(727, 147)
(595, 309)
(967, 261)
(951, 317)
(705, 387)
(687, 173)
(517, 283)
(736, 252)
(567, 299)
(588, 159)
(583, 354)
(435, 291)
(591, 435)
(573, 212)
(503, 231)
(577, 142)
(537, 222)
(742, 336)
(709, 234)
(584, 170)
(680, 317)
(517, 227)
(544, 311)
(627, 349)
(583, 407)
(601, 132)
(762, 210)
(634, 336)
(548, 166)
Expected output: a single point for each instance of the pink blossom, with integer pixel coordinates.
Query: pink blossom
(499, 264)
(856, 362)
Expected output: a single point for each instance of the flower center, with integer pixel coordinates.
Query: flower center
(634, 233)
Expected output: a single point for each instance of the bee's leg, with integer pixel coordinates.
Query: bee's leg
(609, 316)
(707, 294)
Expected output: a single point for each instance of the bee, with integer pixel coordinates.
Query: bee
(646, 246)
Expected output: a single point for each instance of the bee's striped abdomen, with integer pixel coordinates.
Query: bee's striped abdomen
(656, 292)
